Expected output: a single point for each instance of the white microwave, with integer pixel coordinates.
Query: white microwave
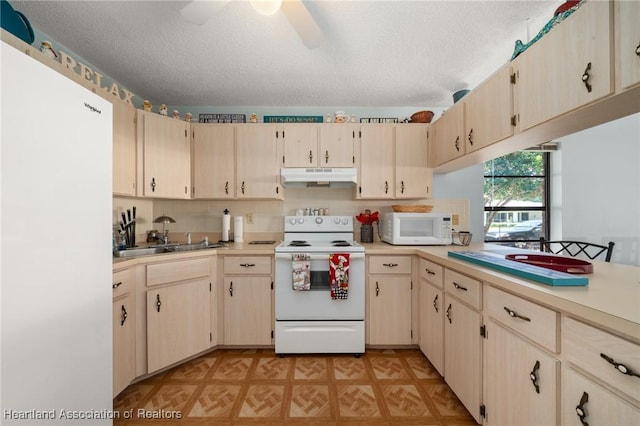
(422, 229)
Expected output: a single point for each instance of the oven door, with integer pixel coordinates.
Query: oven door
(316, 303)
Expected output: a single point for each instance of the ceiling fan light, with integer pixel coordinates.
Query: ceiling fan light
(266, 7)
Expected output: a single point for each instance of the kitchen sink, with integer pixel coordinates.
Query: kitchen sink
(168, 248)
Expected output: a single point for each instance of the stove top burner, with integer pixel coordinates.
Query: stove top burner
(341, 243)
(299, 243)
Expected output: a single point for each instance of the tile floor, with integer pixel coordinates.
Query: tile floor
(256, 387)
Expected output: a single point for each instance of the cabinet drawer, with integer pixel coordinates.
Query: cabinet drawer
(533, 321)
(432, 272)
(389, 264)
(121, 283)
(247, 265)
(586, 347)
(182, 270)
(464, 288)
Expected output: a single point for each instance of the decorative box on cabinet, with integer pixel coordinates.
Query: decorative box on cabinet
(431, 313)
(248, 289)
(124, 332)
(389, 300)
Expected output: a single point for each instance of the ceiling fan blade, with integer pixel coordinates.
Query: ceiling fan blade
(303, 23)
(199, 11)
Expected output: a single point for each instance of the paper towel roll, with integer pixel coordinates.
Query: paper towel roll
(238, 236)
(226, 226)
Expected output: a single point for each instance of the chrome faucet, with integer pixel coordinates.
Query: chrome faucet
(188, 234)
(165, 237)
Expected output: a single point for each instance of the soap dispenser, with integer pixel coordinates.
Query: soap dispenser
(226, 225)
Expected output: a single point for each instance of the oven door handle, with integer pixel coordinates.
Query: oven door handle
(287, 256)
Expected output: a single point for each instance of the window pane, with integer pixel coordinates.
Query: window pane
(520, 228)
(510, 192)
(522, 163)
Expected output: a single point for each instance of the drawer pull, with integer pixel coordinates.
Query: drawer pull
(158, 303)
(580, 411)
(390, 265)
(123, 316)
(586, 76)
(118, 284)
(231, 289)
(377, 289)
(429, 271)
(247, 265)
(514, 314)
(534, 376)
(435, 303)
(620, 367)
(459, 287)
(449, 313)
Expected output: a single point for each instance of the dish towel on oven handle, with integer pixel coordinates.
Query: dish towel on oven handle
(339, 275)
(301, 265)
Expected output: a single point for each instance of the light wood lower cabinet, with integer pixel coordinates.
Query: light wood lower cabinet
(431, 313)
(123, 331)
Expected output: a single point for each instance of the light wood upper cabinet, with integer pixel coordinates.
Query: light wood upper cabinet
(627, 33)
(488, 111)
(166, 156)
(300, 145)
(213, 161)
(569, 67)
(376, 169)
(124, 149)
(336, 145)
(257, 166)
(448, 138)
(413, 178)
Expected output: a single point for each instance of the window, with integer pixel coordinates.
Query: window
(516, 199)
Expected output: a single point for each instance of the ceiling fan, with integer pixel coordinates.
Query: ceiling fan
(199, 11)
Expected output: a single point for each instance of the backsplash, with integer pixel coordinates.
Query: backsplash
(198, 216)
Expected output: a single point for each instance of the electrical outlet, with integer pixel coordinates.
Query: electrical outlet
(455, 219)
(249, 218)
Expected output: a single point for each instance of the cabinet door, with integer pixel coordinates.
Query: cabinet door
(123, 343)
(178, 321)
(550, 73)
(462, 348)
(432, 325)
(520, 381)
(167, 157)
(214, 162)
(389, 319)
(488, 111)
(124, 149)
(336, 145)
(628, 42)
(376, 162)
(257, 165)
(599, 406)
(413, 179)
(300, 145)
(448, 135)
(247, 310)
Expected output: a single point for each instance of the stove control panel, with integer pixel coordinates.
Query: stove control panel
(318, 224)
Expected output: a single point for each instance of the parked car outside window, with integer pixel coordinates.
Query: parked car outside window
(519, 233)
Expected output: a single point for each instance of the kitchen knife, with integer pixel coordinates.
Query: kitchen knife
(133, 233)
(129, 215)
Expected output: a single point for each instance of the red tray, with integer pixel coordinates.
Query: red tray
(557, 263)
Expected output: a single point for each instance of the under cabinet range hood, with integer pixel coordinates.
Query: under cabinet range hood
(335, 177)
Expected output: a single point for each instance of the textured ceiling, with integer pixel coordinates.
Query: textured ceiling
(375, 53)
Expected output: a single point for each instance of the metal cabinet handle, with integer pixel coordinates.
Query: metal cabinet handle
(386, 187)
(310, 156)
(231, 289)
(390, 265)
(123, 316)
(377, 289)
(459, 287)
(247, 265)
(514, 314)
(242, 187)
(580, 411)
(456, 143)
(638, 49)
(402, 187)
(620, 367)
(118, 284)
(586, 76)
(226, 187)
(449, 313)
(326, 156)
(470, 137)
(158, 302)
(534, 376)
(435, 303)
(430, 272)
(153, 184)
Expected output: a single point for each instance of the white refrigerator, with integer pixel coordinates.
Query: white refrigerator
(55, 255)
